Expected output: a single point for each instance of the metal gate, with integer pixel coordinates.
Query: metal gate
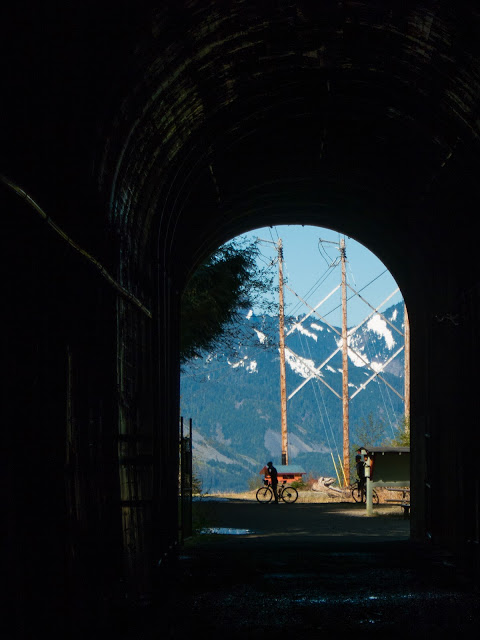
(185, 482)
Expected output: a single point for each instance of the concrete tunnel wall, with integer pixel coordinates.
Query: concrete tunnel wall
(151, 135)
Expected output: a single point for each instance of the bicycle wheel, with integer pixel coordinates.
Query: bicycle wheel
(289, 494)
(264, 494)
(357, 495)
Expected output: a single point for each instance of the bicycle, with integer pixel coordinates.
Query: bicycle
(286, 493)
(357, 494)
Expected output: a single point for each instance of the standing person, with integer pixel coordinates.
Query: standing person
(272, 472)
(360, 469)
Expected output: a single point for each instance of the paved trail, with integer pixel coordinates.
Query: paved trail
(305, 571)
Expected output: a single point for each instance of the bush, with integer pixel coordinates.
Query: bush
(197, 486)
(299, 484)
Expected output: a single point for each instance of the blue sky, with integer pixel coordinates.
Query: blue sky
(308, 272)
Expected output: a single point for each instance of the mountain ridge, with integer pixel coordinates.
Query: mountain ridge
(234, 398)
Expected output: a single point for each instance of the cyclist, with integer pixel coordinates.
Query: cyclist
(360, 469)
(272, 472)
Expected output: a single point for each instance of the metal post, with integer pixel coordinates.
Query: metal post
(369, 492)
(186, 472)
(181, 481)
(187, 518)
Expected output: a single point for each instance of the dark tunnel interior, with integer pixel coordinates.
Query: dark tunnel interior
(136, 138)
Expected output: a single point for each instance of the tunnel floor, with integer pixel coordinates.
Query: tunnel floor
(308, 570)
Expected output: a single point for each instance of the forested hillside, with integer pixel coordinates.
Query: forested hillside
(234, 399)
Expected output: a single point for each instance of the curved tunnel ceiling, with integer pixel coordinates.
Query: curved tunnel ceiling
(340, 114)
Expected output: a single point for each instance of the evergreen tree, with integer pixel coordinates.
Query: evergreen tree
(227, 283)
(402, 439)
(369, 433)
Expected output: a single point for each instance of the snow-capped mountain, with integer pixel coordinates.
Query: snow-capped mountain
(234, 400)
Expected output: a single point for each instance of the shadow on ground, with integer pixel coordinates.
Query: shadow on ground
(308, 570)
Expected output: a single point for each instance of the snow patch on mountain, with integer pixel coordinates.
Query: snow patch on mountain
(357, 359)
(235, 365)
(378, 325)
(356, 342)
(261, 336)
(355, 350)
(252, 366)
(301, 329)
(302, 366)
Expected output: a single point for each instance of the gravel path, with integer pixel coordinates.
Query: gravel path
(305, 520)
(308, 570)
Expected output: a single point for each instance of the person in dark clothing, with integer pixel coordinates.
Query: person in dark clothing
(360, 469)
(272, 472)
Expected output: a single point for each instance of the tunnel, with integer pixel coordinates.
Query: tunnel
(137, 137)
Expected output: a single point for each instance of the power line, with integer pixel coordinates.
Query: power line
(323, 278)
(381, 386)
(362, 289)
(327, 275)
(302, 342)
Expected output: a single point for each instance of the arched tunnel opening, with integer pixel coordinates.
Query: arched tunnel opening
(148, 138)
(252, 397)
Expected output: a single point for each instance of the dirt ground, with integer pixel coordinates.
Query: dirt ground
(306, 519)
(310, 497)
(307, 570)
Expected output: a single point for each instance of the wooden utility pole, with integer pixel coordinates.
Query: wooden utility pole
(283, 384)
(346, 436)
(407, 368)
